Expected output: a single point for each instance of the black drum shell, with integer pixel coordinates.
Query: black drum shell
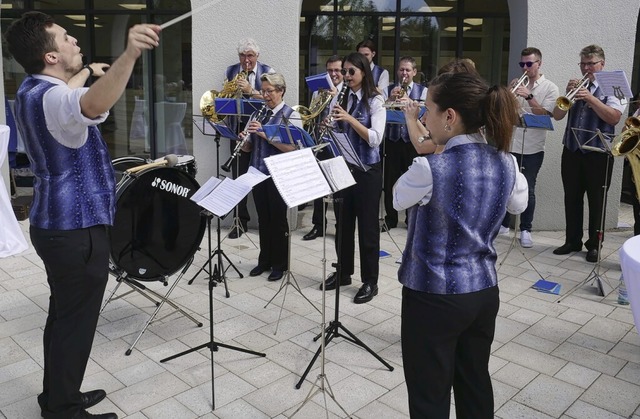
(157, 228)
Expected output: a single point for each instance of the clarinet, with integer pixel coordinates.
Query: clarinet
(258, 115)
(339, 98)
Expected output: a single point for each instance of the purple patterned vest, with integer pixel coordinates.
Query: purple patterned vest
(450, 239)
(583, 116)
(261, 148)
(73, 188)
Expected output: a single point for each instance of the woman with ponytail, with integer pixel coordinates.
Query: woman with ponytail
(456, 202)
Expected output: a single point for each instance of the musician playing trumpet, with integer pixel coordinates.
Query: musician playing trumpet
(273, 228)
(585, 171)
(398, 151)
(536, 95)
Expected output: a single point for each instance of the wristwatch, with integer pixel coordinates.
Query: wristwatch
(88, 68)
(529, 96)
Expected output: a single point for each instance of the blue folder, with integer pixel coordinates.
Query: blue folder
(319, 81)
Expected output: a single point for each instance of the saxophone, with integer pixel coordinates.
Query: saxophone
(229, 90)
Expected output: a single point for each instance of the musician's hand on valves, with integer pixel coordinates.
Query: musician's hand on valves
(244, 85)
(396, 93)
(583, 94)
(522, 91)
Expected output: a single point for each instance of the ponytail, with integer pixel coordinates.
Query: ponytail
(501, 114)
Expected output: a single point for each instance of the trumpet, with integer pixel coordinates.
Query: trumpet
(258, 115)
(523, 80)
(565, 102)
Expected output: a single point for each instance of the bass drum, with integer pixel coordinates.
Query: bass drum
(157, 228)
(123, 163)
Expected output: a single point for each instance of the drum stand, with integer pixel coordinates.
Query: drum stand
(289, 279)
(216, 277)
(333, 330)
(218, 250)
(152, 296)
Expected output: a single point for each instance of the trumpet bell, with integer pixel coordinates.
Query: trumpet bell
(563, 103)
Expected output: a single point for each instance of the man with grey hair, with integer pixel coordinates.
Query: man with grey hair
(584, 170)
(250, 85)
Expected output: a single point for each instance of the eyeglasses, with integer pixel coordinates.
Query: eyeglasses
(351, 71)
(529, 64)
(249, 56)
(589, 64)
(268, 92)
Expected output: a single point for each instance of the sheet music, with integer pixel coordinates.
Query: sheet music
(205, 189)
(224, 197)
(614, 83)
(347, 150)
(297, 176)
(252, 177)
(337, 173)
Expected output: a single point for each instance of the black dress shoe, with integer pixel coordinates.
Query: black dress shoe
(567, 248)
(89, 399)
(592, 255)
(83, 414)
(258, 270)
(365, 293)
(386, 227)
(275, 275)
(330, 282)
(315, 232)
(235, 233)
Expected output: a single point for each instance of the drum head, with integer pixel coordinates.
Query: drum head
(123, 163)
(157, 228)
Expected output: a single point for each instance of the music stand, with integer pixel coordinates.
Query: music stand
(343, 146)
(595, 276)
(208, 128)
(394, 117)
(213, 279)
(528, 121)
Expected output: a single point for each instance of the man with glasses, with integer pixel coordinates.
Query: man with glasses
(250, 85)
(537, 96)
(399, 152)
(585, 170)
(334, 68)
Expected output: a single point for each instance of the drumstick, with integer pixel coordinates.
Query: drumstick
(189, 13)
(169, 160)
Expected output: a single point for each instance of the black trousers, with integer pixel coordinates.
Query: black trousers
(584, 173)
(398, 156)
(360, 203)
(76, 262)
(446, 341)
(239, 168)
(273, 228)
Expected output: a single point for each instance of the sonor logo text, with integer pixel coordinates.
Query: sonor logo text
(171, 187)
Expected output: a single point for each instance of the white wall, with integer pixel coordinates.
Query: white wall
(274, 24)
(560, 29)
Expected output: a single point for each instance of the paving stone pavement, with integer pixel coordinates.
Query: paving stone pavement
(577, 358)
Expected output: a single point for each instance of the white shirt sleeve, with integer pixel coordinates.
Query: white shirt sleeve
(64, 117)
(378, 121)
(415, 186)
(519, 198)
(383, 83)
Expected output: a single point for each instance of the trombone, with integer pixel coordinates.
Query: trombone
(523, 80)
(565, 102)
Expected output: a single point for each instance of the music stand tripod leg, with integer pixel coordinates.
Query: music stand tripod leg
(289, 279)
(332, 330)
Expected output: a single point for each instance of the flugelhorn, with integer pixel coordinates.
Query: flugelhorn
(565, 102)
(524, 79)
(258, 115)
